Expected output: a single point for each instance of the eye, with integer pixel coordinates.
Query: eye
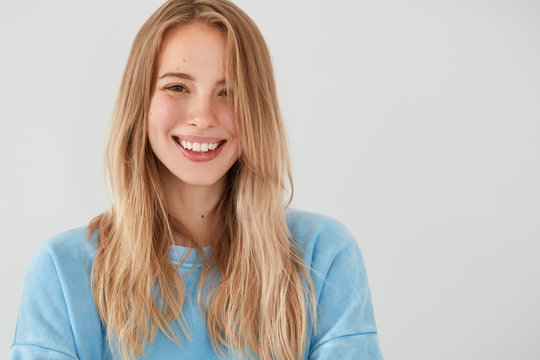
(223, 93)
(176, 88)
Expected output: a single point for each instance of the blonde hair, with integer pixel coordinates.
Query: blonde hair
(257, 301)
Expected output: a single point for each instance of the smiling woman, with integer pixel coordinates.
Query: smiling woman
(197, 161)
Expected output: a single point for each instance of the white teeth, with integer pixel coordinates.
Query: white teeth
(198, 147)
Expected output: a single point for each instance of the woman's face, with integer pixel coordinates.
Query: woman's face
(191, 126)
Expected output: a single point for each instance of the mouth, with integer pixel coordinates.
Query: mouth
(199, 146)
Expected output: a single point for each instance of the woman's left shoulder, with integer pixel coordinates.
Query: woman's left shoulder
(319, 234)
(346, 325)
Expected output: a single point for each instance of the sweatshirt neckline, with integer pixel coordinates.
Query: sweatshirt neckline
(177, 252)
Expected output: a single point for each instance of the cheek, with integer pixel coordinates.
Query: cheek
(163, 114)
(228, 121)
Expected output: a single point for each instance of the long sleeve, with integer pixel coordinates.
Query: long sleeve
(57, 317)
(43, 325)
(346, 324)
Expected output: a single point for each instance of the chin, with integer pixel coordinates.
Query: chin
(200, 180)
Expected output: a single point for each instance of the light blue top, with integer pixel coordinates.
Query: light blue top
(58, 319)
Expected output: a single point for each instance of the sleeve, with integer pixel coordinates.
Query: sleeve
(43, 325)
(346, 328)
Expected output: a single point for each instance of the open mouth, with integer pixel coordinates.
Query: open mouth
(199, 147)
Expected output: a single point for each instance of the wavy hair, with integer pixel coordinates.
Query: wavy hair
(259, 296)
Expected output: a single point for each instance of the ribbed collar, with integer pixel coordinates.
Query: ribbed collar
(177, 252)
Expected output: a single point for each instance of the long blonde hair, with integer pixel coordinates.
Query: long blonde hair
(260, 295)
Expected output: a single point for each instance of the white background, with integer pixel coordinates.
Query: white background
(415, 123)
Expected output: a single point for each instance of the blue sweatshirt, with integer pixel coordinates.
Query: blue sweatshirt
(58, 320)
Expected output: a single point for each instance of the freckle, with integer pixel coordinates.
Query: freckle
(183, 60)
(202, 216)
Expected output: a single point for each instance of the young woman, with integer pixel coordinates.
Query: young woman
(198, 256)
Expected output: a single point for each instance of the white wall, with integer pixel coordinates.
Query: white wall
(416, 123)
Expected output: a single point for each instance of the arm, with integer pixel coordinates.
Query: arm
(346, 323)
(43, 325)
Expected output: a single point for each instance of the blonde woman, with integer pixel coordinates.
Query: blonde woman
(198, 256)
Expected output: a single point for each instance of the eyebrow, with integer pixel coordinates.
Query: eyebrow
(186, 76)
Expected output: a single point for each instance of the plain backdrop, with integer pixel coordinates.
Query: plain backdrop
(416, 123)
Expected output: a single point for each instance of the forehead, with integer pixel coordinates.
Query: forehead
(192, 45)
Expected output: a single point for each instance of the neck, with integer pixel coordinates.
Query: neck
(194, 206)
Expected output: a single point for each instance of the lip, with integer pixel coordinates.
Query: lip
(199, 139)
(199, 156)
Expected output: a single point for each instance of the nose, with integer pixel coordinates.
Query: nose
(202, 115)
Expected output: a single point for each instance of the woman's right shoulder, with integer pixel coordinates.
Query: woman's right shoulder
(69, 252)
(57, 296)
(71, 241)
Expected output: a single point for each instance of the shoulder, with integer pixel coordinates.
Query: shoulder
(345, 318)
(321, 238)
(66, 252)
(69, 240)
(57, 297)
(311, 229)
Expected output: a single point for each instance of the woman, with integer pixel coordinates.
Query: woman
(197, 160)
